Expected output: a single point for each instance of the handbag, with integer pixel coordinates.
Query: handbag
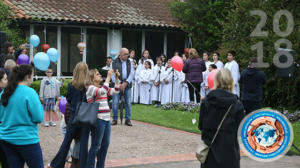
(86, 113)
(203, 149)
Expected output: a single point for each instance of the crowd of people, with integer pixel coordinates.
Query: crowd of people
(142, 81)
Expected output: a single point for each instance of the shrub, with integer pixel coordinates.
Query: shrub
(63, 90)
(190, 107)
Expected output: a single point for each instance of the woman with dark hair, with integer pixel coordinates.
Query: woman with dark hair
(20, 113)
(224, 151)
(3, 84)
(146, 57)
(216, 60)
(193, 69)
(8, 50)
(164, 60)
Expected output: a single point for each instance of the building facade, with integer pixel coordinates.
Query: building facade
(102, 25)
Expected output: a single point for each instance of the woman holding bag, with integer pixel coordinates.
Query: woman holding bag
(224, 151)
(76, 91)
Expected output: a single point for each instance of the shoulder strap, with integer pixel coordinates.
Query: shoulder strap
(220, 125)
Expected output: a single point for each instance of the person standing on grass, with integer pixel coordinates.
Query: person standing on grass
(145, 84)
(125, 68)
(49, 90)
(3, 84)
(224, 152)
(100, 134)
(252, 80)
(20, 113)
(193, 68)
(167, 80)
(233, 67)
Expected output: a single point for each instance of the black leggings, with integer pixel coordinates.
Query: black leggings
(197, 91)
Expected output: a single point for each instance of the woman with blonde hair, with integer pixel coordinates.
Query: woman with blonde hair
(224, 151)
(193, 68)
(76, 93)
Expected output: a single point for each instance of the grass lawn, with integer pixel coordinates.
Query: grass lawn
(183, 120)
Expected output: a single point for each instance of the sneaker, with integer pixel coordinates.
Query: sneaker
(45, 124)
(53, 124)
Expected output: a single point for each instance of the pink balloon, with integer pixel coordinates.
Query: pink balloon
(211, 78)
(177, 63)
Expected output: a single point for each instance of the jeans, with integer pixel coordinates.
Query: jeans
(17, 155)
(99, 145)
(3, 161)
(115, 104)
(72, 132)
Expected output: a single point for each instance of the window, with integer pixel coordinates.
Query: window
(175, 42)
(70, 55)
(96, 48)
(51, 39)
(133, 41)
(154, 43)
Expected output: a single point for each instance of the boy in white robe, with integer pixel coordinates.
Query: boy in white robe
(166, 96)
(137, 85)
(205, 58)
(145, 83)
(233, 67)
(179, 78)
(216, 60)
(156, 78)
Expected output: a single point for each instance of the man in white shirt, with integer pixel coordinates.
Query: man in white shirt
(108, 62)
(233, 67)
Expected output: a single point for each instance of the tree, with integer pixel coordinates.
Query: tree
(9, 25)
(238, 27)
(201, 21)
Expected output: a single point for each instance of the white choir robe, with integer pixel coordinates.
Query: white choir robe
(233, 67)
(137, 84)
(204, 92)
(167, 88)
(150, 60)
(219, 64)
(177, 87)
(145, 85)
(156, 77)
(133, 89)
(185, 98)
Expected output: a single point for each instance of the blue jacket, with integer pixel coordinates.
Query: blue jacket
(252, 81)
(20, 118)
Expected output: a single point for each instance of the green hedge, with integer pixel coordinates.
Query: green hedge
(63, 90)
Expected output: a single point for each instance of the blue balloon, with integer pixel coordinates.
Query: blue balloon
(34, 40)
(41, 61)
(53, 54)
(113, 53)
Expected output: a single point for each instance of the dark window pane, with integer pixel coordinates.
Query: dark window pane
(96, 48)
(175, 43)
(70, 55)
(154, 43)
(133, 41)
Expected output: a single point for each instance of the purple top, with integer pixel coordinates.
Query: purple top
(193, 69)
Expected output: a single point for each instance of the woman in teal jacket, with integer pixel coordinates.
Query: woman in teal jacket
(20, 113)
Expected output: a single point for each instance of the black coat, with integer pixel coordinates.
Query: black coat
(225, 151)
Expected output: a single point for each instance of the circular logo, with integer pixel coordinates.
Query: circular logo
(265, 135)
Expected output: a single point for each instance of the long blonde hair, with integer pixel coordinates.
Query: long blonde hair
(224, 80)
(193, 53)
(80, 76)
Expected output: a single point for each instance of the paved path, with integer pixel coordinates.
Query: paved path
(148, 146)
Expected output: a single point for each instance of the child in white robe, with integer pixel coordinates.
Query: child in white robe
(156, 78)
(233, 67)
(166, 96)
(145, 83)
(136, 93)
(179, 78)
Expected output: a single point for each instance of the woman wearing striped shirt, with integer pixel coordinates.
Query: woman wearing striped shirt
(100, 134)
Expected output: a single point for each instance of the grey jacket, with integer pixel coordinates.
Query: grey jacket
(50, 88)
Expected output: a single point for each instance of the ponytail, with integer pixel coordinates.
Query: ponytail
(18, 75)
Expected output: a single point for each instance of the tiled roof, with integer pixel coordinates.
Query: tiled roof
(154, 13)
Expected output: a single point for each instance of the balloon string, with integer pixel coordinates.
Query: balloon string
(45, 34)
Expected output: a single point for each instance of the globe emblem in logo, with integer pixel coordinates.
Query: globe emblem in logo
(265, 135)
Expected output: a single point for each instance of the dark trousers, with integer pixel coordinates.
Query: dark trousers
(3, 161)
(17, 155)
(60, 158)
(197, 91)
(251, 106)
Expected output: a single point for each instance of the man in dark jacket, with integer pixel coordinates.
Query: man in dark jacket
(252, 80)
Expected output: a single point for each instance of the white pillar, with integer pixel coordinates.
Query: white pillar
(114, 40)
(84, 40)
(59, 51)
(31, 47)
(143, 40)
(165, 43)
